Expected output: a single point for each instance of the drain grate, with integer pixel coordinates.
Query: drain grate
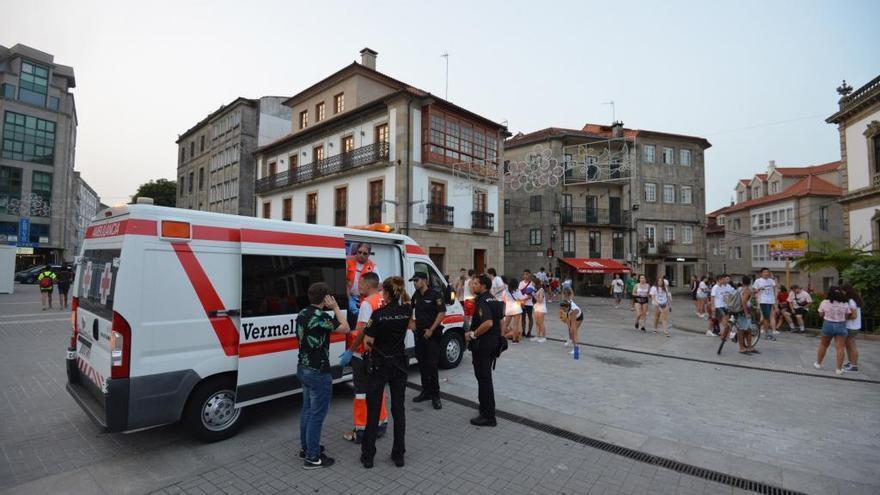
(717, 363)
(680, 467)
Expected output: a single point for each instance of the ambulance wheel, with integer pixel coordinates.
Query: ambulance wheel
(211, 414)
(451, 349)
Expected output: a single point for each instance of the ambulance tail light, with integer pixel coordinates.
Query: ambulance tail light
(120, 347)
(175, 230)
(73, 322)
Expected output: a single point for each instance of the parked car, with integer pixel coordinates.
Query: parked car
(29, 276)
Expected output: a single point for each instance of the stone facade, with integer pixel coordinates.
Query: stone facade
(216, 165)
(37, 183)
(86, 205)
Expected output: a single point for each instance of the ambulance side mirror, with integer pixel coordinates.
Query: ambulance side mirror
(450, 295)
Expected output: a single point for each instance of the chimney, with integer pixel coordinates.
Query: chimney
(772, 165)
(368, 58)
(617, 129)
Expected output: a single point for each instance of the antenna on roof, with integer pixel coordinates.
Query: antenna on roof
(446, 56)
(613, 113)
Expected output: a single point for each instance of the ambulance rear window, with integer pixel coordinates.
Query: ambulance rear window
(97, 281)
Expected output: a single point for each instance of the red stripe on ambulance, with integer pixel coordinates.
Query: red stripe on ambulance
(292, 239)
(414, 249)
(276, 345)
(122, 227)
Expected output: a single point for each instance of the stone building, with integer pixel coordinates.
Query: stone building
(86, 206)
(37, 152)
(858, 122)
(366, 148)
(216, 164)
(785, 203)
(716, 250)
(628, 197)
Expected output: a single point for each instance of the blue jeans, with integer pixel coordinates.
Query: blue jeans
(317, 389)
(834, 328)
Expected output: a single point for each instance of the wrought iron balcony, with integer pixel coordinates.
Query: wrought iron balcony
(375, 214)
(594, 216)
(359, 157)
(440, 214)
(654, 248)
(580, 173)
(482, 220)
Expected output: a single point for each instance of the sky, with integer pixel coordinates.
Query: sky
(755, 78)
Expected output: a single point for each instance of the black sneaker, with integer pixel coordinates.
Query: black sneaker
(422, 397)
(366, 462)
(321, 462)
(398, 460)
(302, 453)
(481, 421)
(437, 404)
(643, 329)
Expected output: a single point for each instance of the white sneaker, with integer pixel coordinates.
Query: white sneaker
(775, 332)
(838, 372)
(817, 366)
(533, 339)
(568, 343)
(571, 351)
(709, 333)
(541, 340)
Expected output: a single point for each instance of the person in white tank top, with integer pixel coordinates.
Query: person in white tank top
(511, 325)
(662, 299)
(540, 311)
(641, 292)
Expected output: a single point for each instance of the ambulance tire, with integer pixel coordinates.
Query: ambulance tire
(210, 414)
(451, 349)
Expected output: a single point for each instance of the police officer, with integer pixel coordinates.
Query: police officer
(429, 309)
(385, 361)
(484, 339)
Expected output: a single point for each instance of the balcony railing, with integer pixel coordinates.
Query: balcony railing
(579, 173)
(341, 218)
(482, 220)
(594, 216)
(440, 214)
(653, 248)
(375, 213)
(355, 158)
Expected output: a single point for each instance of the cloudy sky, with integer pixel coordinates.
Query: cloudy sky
(756, 78)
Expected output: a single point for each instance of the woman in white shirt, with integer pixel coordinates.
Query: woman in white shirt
(540, 296)
(852, 328)
(834, 310)
(641, 292)
(511, 325)
(661, 298)
(572, 316)
(702, 297)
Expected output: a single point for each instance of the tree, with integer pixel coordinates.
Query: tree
(163, 192)
(826, 254)
(864, 276)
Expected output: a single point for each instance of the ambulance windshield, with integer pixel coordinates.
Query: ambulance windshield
(96, 281)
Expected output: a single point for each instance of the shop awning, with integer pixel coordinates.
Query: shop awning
(595, 265)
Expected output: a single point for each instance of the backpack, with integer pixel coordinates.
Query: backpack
(46, 282)
(734, 301)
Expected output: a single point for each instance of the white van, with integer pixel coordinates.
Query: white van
(181, 314)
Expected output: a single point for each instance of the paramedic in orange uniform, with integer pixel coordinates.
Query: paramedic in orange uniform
(356, 266)
(372, 300)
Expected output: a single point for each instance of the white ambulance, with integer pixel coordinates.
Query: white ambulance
(188, 315)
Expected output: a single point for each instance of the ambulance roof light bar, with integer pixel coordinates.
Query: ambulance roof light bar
(375, 227)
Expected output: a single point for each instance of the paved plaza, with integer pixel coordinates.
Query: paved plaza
(781, 422)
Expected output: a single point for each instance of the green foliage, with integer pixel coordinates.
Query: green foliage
(864, 275)
(163, 192)
(825, 254)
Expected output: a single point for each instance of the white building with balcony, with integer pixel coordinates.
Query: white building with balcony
(365, 148)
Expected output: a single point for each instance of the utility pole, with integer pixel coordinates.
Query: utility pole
(446, 56)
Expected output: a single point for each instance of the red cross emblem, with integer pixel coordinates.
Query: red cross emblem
(106, 276)
(87, 279)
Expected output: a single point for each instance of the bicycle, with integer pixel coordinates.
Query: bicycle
(754, 330)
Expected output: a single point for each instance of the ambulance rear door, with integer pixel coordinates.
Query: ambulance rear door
(276, 272)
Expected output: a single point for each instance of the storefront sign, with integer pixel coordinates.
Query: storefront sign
(787, 248)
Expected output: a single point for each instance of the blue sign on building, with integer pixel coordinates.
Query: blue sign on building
(24, 231)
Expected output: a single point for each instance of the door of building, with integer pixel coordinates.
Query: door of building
(480, 260)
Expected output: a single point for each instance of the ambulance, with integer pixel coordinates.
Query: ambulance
(189, 316)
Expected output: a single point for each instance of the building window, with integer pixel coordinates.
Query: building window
(292, 161)
(192, 148)
(42, 188)
(823, 218)
(686, 195)
(738, 252)
(54, 103)
(669, 270)
(740, 196)
(568, 242)
(507, 238)
(180, 185)
(650, 234)
(669, 233)
(318, 153)
(617, 245)
(192, 180)
(34, 83)
(7, 91)
(312, 208)
(319, 112)
(507, 207)
(347, 144)
(668, 156)
(452, 139)
(303, 119)
(535, 203)
(668, 193)
(267, 210)
(10, 189)
(287, 209)
(201, 179)
(480, 200)
(535, 237)
(273, 168)
(339, 103)
(687, 235)
(28, 139)
(377, 195)
(684, 157)
(341, 217)
(737, 224)
(595, 244)
(756, 192)
(382, 133)
(202, 143)
(650, 192)
(182, 153)
(649, 153)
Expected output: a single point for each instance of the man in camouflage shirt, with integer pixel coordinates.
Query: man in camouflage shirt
(313, 329)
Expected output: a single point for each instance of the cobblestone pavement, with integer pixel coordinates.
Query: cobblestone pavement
(767, 426)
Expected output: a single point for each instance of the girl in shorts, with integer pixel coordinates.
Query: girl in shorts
(834, 310)
(572, 316)
(511, 324)
(540, 296)
(662, 299)
(640, 293)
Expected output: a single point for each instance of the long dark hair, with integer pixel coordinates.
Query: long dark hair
(836, 294)
(851, 293)
(395, 291)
